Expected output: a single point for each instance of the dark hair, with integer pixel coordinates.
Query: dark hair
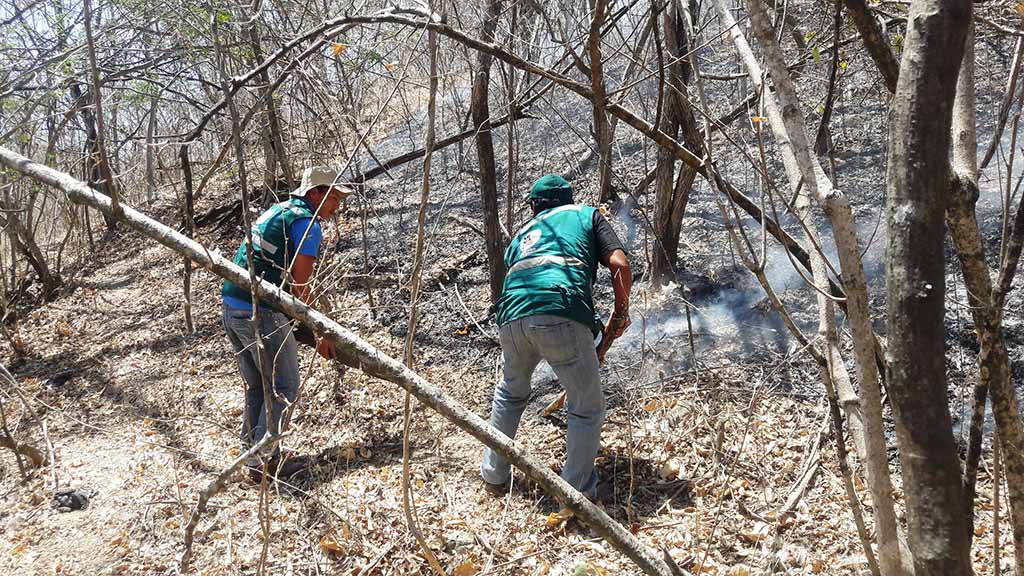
(540, 205)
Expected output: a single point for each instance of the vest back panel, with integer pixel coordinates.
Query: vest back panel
(272, 249)
(552, 264)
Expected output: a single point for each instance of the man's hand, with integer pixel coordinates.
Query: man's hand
(326, 349)
(622, 282)
(615, 328)
(618, 324)
(602, 348)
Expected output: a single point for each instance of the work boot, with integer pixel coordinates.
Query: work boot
(496, 490)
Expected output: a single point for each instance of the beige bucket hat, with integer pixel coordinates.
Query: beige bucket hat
(321, 176)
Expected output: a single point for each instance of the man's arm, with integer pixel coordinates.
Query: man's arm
(302, 272)
(622, 282)
(612, 254)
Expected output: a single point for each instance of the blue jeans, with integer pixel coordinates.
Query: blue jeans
(568, 347)
(280, 365)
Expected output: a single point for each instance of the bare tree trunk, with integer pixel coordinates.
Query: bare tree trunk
(102, 161)
(414, 296)
(917, 186)
(671, 196)
(150, 151)
(602, 129)
(186, 172)
(91, 170)
(356, 352)
(274, 132)
(480, 108)
(875, 40)
(790, 126)
(993, 359)
(23, 240)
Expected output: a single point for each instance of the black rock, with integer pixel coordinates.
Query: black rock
(59, 379)
(68, 499)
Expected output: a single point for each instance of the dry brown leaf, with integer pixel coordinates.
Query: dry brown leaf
(333, 543)
(467, 568)
(787, 520)
(63, 329)
(739, 570)
(656, 404)
(557, 519)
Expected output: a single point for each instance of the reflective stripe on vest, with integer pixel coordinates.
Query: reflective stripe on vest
(528, 263)
(263, 243)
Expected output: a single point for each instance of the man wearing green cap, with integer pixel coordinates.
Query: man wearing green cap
(286, 240)
(546, 312)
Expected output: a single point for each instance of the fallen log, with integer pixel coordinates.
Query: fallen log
(356, 352)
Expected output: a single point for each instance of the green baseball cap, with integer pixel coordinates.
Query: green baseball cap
(551, 187)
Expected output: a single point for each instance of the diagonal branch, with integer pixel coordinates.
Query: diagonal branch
(358, 353)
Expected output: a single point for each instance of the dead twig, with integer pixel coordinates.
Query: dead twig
(472, 319)
(215, 487)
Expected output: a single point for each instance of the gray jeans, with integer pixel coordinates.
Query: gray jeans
(280, 363)
(568, 347)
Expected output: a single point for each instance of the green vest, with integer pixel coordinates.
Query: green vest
(552, 264)
(272, 249)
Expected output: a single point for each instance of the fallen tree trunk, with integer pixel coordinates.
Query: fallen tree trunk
(356, 352)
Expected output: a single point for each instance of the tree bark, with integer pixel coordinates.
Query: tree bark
(274, 133)
(986, 312)
(356, 352)
(602, 128)
(24, 241)
(672, 194)
(480, 108)
(150, 151)
(102, 160)
(790, 128)
(916, 186)
(875, 41)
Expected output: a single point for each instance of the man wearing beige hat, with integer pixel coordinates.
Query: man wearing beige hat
(286, 239)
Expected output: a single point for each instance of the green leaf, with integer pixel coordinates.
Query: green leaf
(373, 56)
(816, 54)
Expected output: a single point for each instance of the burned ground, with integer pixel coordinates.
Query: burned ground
(702, 445)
